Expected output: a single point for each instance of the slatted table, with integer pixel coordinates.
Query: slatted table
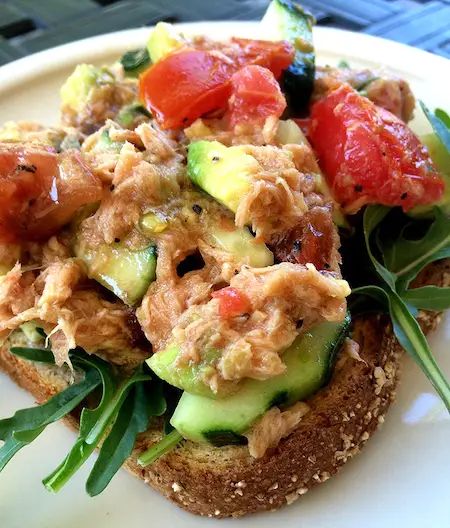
(27, 26)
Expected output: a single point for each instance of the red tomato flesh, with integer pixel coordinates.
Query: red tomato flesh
(232, 302)
(184, 86)
(190, 83)
(275, 56)
(256, 95)
(41, 190)
(369, 155)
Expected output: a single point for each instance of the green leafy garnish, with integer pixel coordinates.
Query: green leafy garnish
(398, 263)
(166, 444)
(135, 61)
(80, 451)
(139, 406)
(440, 121)
(342, 64)
(406, 258)
(27, 424)
(123, 411)
(40, 355)
(428, 298)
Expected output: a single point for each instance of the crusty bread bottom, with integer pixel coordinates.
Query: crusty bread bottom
(226, 481)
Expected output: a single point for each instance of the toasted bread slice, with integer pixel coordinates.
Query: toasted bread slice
(227, 481)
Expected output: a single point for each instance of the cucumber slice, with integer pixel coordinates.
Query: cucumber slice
(126, 273)
(308, 360)
(286, 20)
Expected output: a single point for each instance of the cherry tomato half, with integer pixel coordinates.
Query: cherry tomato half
(41, 190)
(256, 95)
(369, 155)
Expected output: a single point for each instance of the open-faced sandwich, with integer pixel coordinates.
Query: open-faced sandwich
(211, 266)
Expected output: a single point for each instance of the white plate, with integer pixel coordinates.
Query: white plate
(402, 479)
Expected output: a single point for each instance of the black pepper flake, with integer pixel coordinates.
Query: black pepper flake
(358, 188)
(215, 158)
(404, 196)
(112, 187)
(117, 240)
(27, 168)
(297, 245)
(197, 209)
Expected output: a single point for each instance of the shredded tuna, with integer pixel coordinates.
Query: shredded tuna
(242, 134)
(140, 180)
(71, 317)
(274, 426)
(252, 344)
(385, 90)
(275, 202)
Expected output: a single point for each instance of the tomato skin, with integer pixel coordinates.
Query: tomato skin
(38, 191)
(369, 155)
(191, 82)
(184, 86)
(232, 302)
(256, 95)
(275, 56)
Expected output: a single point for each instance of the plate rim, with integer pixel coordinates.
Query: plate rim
(394, 54)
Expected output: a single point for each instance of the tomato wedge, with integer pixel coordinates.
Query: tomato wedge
(256, 95)
(275, 56)
(369, 155)
(192, 82)
(185, 85)
(41, 190)
(232, 302)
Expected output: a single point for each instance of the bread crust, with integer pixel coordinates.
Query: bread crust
(224, 482)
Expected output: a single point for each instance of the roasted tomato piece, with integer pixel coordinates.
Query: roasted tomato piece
(185, 85)
(256, 95)
(311, 241)
(190, 82)
(369, 155)
(41, 190)
(232, 302)
(275, 56)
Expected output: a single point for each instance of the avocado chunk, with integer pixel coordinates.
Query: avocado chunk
(242, 244)
(76, 90)
(223, 172)
(309, 361)
(286, 20)
(187, 376)
(164, 39)
(33, 333)
(126, 273)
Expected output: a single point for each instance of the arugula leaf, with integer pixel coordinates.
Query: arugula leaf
(343, 64)
(27, 424)
(440, 126)
(443, 116)
(166, 444)
(406, 258)
(13, 446)
(51, 411)
(428, 298)
(373, 215)
(80, 452)
(41, 355)
(93, 425)
(140, 405)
